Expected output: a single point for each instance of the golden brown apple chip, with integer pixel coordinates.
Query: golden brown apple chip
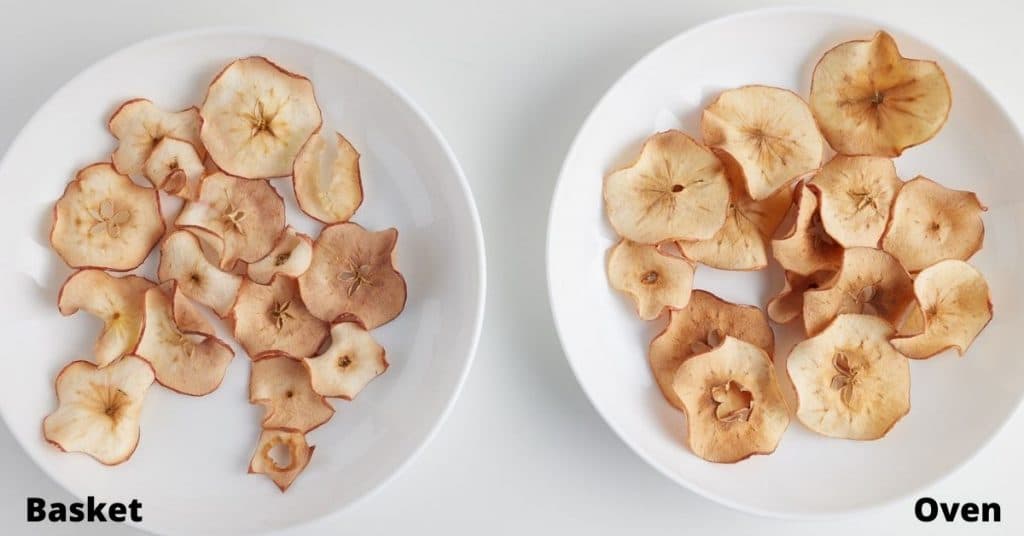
(856, 193)
(327, 184)
(290, 257)
(284, 467)
(788, 304)
(118, 301)
(182, 259)
(175, 167)
(654, 280)
(807, 248)
(272, 318)
(351, 361)
(282, 386)
(139, 126)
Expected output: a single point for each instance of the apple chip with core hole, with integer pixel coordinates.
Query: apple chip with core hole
(351, 361)
(931, 223)
(272, 318)
(290, 257)
(98, 409)
(281, 455)
(856, 193)
(654, 280)
(327, 183)
(182, 259)
(954, 299)
(140, 126)
(768, 132)
(676, 190)
(256, 117)
(118, 301)
(698, 328)
(104, 220)
(807, 248)
(850, 382)
(870, 100)
(175, 167)
(353, 271)
(282, 385)
(787, 305)
(870, 281)
(734, 407)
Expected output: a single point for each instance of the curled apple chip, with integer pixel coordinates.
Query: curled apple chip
(175, 167)
(256, 117)
(734, 407)
(351, 362)
(676, 190)
(104, 220)
(140, 126)
(281, 384)
(698, 328)
(870, 100)
(182, 259)
(353, 271)
(327, 183)
(849, 380)
(768, 132)
(118, 301)
(856, 193)
(654, 280)
(870, 281)
(272, 318)
(931, 223)
(290, 257)
(807, 248)
(98, 409)
(955, 302)
(789, 302)
(282, 456)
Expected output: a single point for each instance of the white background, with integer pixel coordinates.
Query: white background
(508, 84)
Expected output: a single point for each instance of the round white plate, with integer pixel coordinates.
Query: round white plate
(958, 404)
(189, 471)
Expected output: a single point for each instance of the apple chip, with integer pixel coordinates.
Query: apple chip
(353, 271)
(734, 407)
(954, 298)
(139, 126)
(281, 384)
(931, 223)
(856, 193)
(175, 167)
(676, 190)
(98, 409)
(118, 301)
(789, 302)
(870, 281)
(850, 382)
(256, 117)
(182, 259)
(654, 280)
(807, 248)
(281, 467)
(104, 220)
(768, 132)
(698, 328)
(290, 257)
(272, 318)
(327, 184)
(870, 100)
(351, 361)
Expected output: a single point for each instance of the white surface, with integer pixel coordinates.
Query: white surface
(509, 85)
(607, 345)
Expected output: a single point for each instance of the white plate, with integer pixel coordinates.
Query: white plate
(190, 467)
(958, 404)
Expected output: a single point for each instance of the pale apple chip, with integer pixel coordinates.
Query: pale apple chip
(653, 280)
(175, 167)
(676, 190)
(104, 220)
(931, 223)
(856, 193)
(768, 132)
(849, 380)
(282, 386)
(98, 409)
(351, 361)
(140, 126)
(807, 248)
(732, 400)
(698, 328)
(256, 117)
(870, 100)
(182, 259)
(788, 304)
(272, 318)
(118, 301)
(327, 183)
(290, 257)
(285, 466)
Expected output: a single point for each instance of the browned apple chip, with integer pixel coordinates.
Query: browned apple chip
(182, 259)
(139, 126)
(175, 167)
(281, 467)
(788, 304)
(807, 248)
(272, 318)
(654, 280)
(856, 193)
(290, 257)
(351, 362)
(281, 384)
(118, 301)
(327, 184)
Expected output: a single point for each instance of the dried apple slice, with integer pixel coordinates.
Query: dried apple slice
(698, 328)
(98, 409)
(931, 223)
(870, 281)
(182, 259)
(175, 167)
(768, 132)
(734, 407)
(293, 460)
(870, 100)
(954, 299)
(351, 361)
(104, 220)
(282, 386)
(653, 280)
(850, 381)
(807, 248)
(788, 304)
(118, 301)
(272, 318)
(290, 257)
(139, 126)
(327, 184)
(353, 271)
(856, 193)
(676, 190)
(256, 117)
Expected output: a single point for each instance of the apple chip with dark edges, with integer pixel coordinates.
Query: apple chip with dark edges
(282, 386)
(807, 248)
(182, 259)
(653, 280)
(290, 257)
(139, 126)
(175, 167)
(856, 193)
(328, 187)
(352, 361)
(285, 466)
(272, 318)
(118, 301)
